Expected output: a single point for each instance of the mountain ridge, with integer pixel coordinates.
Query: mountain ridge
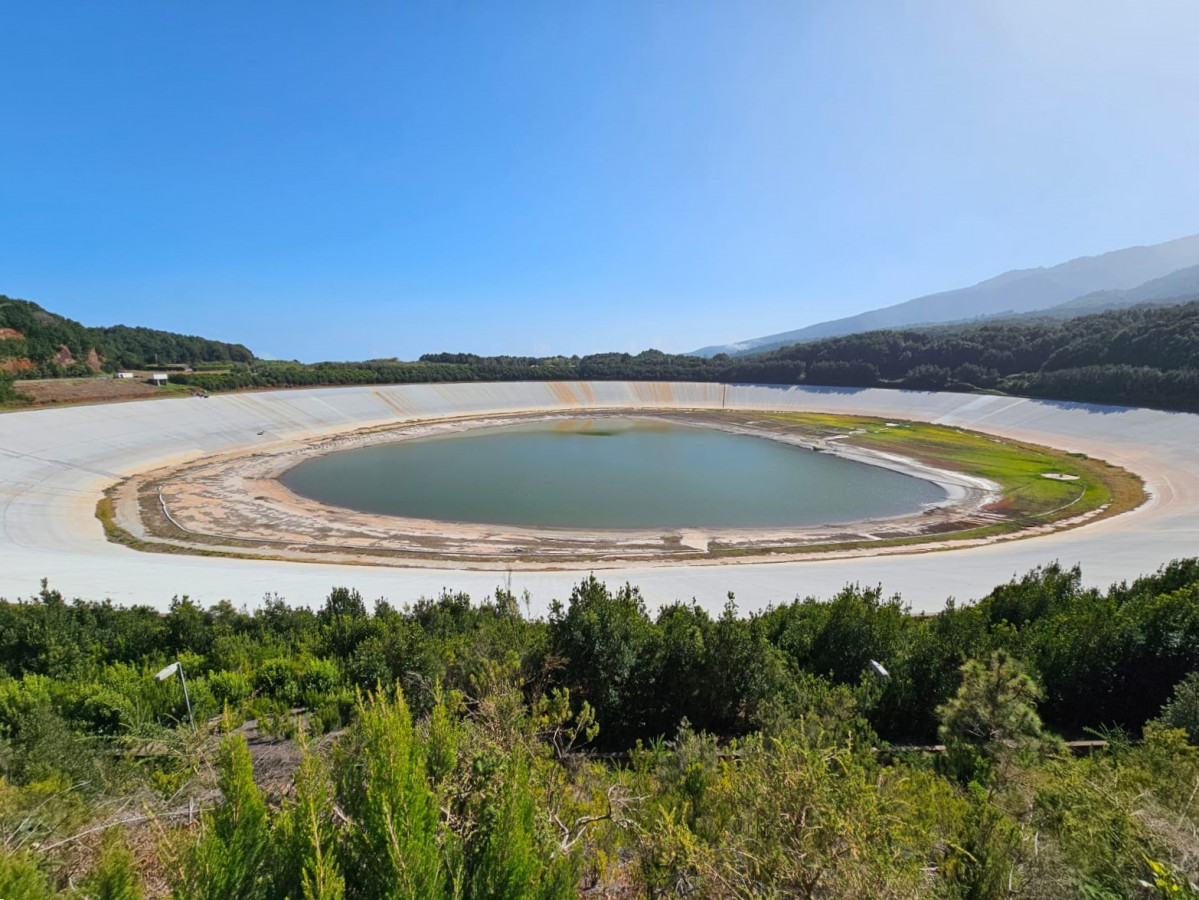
(1013, 292)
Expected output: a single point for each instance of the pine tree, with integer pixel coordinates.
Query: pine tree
(228, 861)
(392, 848)
(995, 706)
(304, 842)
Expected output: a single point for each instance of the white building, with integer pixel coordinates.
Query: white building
(157, 378)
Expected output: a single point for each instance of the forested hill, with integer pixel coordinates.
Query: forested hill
(1145, 356)
(1135, 357)
(35, 342)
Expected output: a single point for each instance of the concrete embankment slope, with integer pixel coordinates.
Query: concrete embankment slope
(55, 463)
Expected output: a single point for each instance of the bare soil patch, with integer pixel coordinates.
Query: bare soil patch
(51, 391)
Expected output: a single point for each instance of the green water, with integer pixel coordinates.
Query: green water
(608, 473)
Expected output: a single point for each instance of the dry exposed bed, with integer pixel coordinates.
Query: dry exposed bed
(235, 505)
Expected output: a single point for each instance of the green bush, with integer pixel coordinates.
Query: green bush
(1182, 709)
(305, 840)
(115, 876)
(101, 710)
(392, 848)
(229, 688)
(512, 855)
(276, 678)
(318, 677)
(19, 698)
(21, 879)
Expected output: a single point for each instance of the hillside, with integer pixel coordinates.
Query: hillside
(1179, 286)
(38, 343)
(1018, 291)
(1146, 356)
(1140, 356)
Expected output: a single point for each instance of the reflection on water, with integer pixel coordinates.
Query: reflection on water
(647, 474)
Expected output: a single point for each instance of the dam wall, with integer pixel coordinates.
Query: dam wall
(55, 463)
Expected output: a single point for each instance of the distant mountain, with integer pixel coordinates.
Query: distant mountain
(1174, 289)
(1018, 291)
(1177, 287)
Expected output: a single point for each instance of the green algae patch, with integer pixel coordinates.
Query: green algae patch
(1028, 495)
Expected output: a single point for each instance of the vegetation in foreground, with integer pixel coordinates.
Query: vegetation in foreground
(461, 749)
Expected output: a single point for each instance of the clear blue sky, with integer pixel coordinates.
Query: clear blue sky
(354, 180)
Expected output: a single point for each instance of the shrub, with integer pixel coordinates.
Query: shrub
(20, 878)
(229, 688)
(114, 877)
(276, 678)
(101, 711)
(19, 699)
(510, 857)
(227, 861)
(392, 848)
(1182, 710)
(318, 677)
(305, 838)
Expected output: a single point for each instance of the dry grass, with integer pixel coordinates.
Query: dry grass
(102, 389)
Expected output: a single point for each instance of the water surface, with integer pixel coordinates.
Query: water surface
(608, 473)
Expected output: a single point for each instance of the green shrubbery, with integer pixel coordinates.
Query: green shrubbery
(8, 392)
(438, 746)
(1182, 709)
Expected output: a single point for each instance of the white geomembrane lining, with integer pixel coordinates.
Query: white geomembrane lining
(54, 464)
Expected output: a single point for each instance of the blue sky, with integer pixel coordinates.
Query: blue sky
(339, 181)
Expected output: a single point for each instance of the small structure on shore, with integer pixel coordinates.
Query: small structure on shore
(157, 378)
(123, 375)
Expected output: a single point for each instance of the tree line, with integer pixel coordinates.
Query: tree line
(1104, 658)
(1142, 356)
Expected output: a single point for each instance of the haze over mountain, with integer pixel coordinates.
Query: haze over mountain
(1109, 280)
(1181, 285)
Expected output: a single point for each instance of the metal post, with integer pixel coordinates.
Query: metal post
(186, 699)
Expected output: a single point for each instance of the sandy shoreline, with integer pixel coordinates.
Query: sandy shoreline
(230, 503)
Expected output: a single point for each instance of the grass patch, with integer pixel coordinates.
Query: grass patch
(1018, 468)
(106, 513)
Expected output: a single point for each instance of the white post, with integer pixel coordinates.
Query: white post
(186, 699)
(166, 673)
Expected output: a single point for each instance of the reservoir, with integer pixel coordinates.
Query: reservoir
(608, 473)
